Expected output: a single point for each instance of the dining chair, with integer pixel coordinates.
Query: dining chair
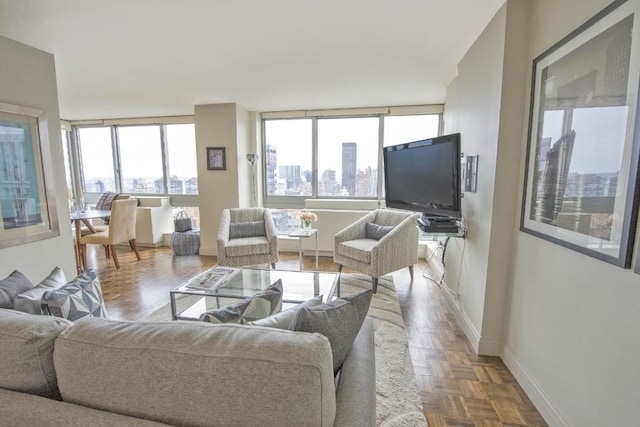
(122, 228)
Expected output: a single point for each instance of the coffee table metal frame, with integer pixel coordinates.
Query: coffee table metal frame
(234, 287)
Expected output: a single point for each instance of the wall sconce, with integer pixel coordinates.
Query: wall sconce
(252, 158)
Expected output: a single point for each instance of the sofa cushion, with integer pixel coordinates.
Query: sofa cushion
(20, 409)
(26, 352)
(248, 246)
(359, 249)
(283, 319)
(79, 298)
(190, 373)
(375, 231)
(238, 230)
(339, 320)
(11, 286)
(31, 300)
(262, 305)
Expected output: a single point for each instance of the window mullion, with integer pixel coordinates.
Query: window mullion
(164, 149)
(115, 147)
(314, 157)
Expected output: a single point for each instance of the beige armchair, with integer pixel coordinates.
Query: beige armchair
(122, 228)
(381, 242)
(247, 236)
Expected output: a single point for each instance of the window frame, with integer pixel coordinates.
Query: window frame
(297, 202)
(187, 200)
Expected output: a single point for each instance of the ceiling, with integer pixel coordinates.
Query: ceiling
(143, 58)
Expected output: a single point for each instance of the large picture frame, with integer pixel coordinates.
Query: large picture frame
(581, 179)
(27, 204)
(216, 159)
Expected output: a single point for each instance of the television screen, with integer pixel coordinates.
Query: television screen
(424, 176)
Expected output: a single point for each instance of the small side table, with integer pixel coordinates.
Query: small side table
(303, 233)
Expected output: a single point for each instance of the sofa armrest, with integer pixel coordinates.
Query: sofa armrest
(356, 392)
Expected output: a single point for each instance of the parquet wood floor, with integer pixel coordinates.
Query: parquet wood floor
(458, 388)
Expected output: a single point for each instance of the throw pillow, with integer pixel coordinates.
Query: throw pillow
(79, 298)
(30, 301)
(262, 305)
(11, 286)
(375, 231)
(238, 230)
(338, 320)
(283, 319)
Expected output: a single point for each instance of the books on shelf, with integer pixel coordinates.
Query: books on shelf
(210, 279)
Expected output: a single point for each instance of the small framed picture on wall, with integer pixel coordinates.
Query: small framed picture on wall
(216, 159)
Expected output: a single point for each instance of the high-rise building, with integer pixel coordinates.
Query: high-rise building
(270, 169)
(349, 151)
(291, 174)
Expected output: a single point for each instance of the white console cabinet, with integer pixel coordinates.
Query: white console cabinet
(154, 218)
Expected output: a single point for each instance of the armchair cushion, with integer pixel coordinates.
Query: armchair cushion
(375, 231)
(359, 250)
(246, 229)
(247, 246)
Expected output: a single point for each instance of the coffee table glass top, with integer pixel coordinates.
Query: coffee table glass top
(298, 286)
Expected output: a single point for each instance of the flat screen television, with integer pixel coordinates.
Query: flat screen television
(424, 176)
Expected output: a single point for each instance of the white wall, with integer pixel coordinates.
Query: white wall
(473, 109)
(221, 125)
(573, 322)
(565, 324)
(29, 79)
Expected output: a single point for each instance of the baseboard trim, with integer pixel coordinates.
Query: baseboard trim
(533, 389)
(463, 320)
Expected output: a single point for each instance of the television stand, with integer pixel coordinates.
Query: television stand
(439, 225)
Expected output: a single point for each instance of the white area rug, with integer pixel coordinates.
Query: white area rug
(398, 402)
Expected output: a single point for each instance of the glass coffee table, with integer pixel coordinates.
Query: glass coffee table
(188, 302)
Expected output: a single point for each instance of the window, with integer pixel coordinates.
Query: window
(288, 157)
(67, 162)
(181, 161)
(348, 157)
(334, 156)
(141, 159)
(96, 158)
(401, 129)
(130, 159)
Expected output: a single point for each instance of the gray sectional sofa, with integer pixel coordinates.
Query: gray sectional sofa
(105, 373)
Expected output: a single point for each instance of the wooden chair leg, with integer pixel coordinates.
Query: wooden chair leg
(83, 255)
(106, 251)
(112, 249)
(411, 272)
(339, 268)
(374, 284)
(273, 265)
(134, 246)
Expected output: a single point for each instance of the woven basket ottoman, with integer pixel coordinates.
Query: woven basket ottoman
(186, 242)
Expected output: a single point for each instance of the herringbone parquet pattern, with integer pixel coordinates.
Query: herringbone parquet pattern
(458, 388)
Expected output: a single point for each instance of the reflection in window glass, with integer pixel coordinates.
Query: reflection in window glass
(96, 157)
(348, 157)
(181, 146)
(141, 159)
(288, 145)
(401, 129)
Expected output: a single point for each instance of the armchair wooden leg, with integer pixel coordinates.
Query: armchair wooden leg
(374, 284)
(339, 268)
(106, 251)
(273, 265)
(112, 249)
(411, 272)
(134, 246)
